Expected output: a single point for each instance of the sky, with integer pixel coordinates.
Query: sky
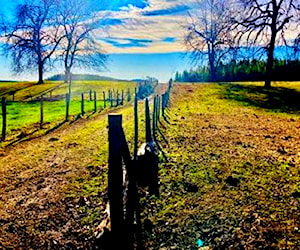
(142, 38)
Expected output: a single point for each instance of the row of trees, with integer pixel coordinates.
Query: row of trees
(42, 33)
(219, 27)
(243, 70)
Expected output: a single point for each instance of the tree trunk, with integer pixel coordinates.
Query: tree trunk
(212, 68)
(68, 79)
(41, 69)
(270, 60)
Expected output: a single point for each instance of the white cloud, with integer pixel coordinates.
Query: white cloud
(137, 25)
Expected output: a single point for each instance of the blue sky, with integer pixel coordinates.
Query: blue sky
(143, 38)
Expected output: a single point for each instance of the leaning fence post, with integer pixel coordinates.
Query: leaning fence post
(148, 121)
(67, 106)
(95, 101)
(4, 112)
(115, 178)
(82, 104)
(41, 112)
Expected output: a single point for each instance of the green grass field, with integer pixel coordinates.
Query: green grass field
(23, 115)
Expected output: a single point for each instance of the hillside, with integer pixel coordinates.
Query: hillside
(82, 77)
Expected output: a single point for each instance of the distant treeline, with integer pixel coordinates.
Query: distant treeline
(244, 70)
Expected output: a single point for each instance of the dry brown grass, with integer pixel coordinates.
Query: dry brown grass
(232, 177)
(53, 188)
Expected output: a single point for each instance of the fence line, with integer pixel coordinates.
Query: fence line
(115, 101)
(141, 170)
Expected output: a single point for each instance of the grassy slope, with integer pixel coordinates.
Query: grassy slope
(24, 90)
(7, 87)
(218, 131)
(85, 86)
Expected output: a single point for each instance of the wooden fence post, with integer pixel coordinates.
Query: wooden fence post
(122, 102)
(111, 99)
(67, 106)
(136, 126)
(115, 179)
(104, 100)
(162, 105)
(41, 112)
(154, 117)
(135, 158)
(4, 112)
(90, 95)
(158, 107)
(82, 104)
(129, 95)
(167, 98)
(117, 98)
(157, 112)
(148, 121)
(95, 101)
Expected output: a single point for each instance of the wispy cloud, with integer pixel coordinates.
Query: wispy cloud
(116, 5)
(160, 21)
(169, 40)
(128, 42)
(179, 9)
(111, 21)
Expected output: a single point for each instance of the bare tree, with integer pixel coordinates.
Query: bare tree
(267, 23)
(79, 47)
(208, 36)
(32, 37)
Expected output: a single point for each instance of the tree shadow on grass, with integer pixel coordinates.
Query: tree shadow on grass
(277, 99)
